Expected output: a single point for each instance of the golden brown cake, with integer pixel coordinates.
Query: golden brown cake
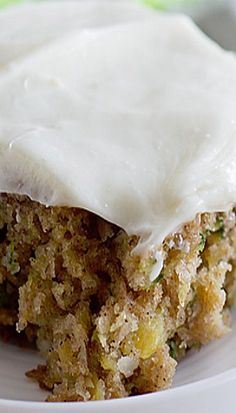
(104, 328)
(117, 193)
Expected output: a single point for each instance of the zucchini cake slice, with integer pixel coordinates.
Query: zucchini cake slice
(118, 186)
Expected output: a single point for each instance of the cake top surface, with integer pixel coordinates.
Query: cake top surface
(118, 109)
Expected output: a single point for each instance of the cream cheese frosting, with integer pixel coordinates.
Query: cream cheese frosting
(117, 109)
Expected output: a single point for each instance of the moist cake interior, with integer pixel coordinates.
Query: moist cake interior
(72, 284)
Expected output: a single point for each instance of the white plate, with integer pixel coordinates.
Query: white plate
(205, 383)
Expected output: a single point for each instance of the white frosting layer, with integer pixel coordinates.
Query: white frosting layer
(118, 109)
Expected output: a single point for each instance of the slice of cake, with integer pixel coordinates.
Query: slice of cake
(118, 186)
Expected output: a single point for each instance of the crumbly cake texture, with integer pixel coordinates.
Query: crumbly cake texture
(70, 281)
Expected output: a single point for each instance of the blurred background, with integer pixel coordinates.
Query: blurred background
(217, 18)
